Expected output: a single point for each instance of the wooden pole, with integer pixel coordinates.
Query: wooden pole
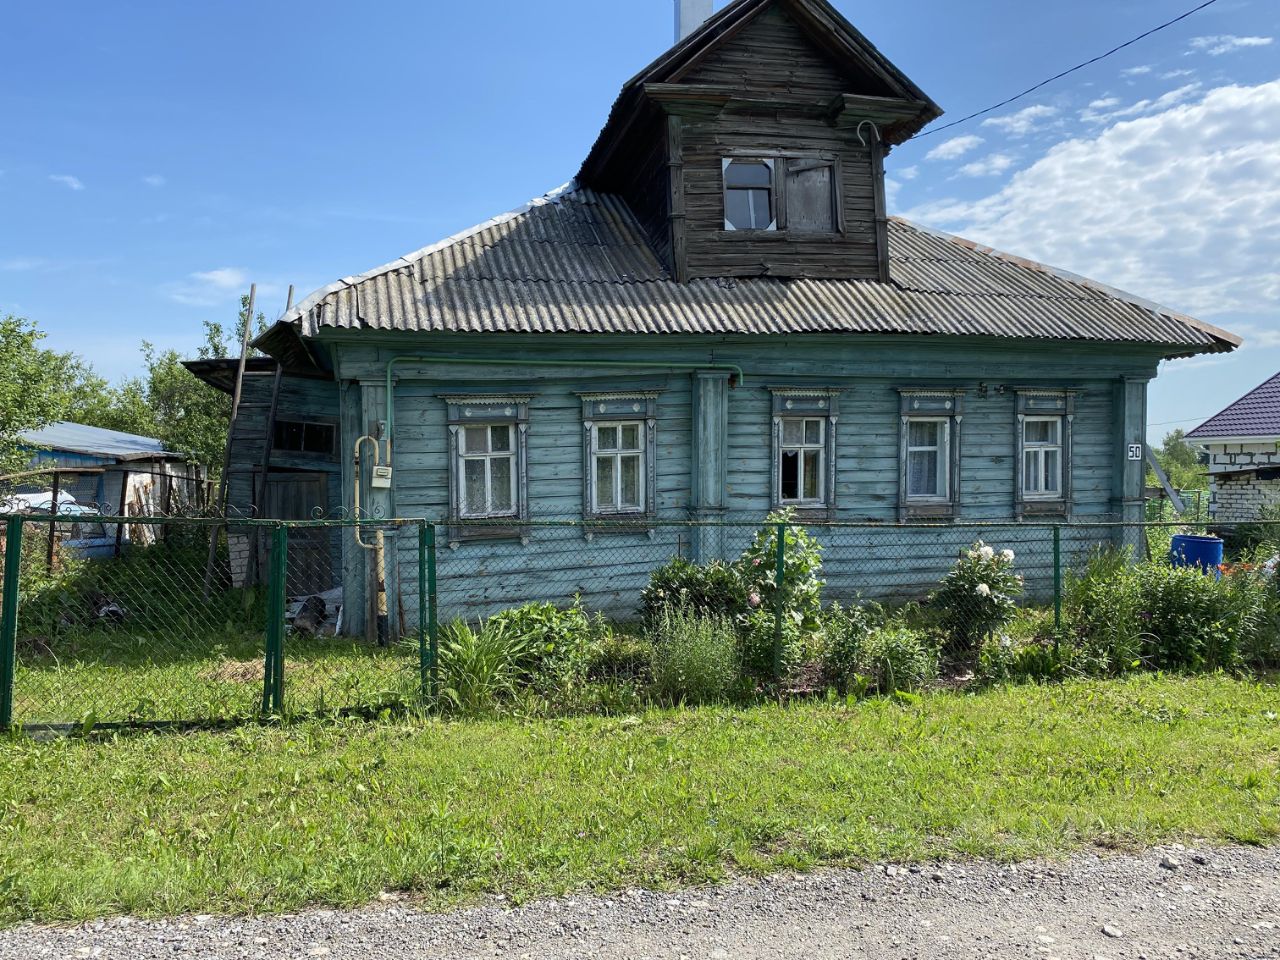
(123, 511)
(220, 506)
(53, 520)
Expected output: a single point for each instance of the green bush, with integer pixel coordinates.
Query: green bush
(558, 645)
(977, 597)
(868, 652)
(1006, 659)
(694, 657)
(712, 589)
(801, 588)
(846, 630)
(898, 657)
(480, 667)
(1126, 615)
(622, 657)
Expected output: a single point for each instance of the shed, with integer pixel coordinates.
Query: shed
(116, 472)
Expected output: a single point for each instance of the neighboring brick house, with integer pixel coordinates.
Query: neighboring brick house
(1244, 454)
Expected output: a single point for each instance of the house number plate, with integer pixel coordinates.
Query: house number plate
(1135, 451)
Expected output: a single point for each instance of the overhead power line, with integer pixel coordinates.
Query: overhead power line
(1064, 73)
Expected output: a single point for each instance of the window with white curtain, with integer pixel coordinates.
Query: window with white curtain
(618, 467)
(1042, 457)
(928, 458)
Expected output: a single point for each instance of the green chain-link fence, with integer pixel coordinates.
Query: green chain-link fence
(312, 617)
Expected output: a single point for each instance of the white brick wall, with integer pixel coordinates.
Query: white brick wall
(1234, 496)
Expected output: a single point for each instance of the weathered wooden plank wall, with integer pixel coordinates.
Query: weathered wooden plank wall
(609, 569)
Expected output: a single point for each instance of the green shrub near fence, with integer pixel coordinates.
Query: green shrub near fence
(140, 639)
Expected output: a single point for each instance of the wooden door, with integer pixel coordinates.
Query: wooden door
(295, 496)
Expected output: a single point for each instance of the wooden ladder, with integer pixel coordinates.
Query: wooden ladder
(258, 473)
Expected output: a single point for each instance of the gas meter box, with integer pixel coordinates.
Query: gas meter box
(381, 479)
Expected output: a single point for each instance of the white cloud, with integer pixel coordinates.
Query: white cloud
(909, 173)
(1024, 121)
(989, 166)
(1216, 46)
(1182, 206)
(1175, 74)
(67, 180)
(22, 264)
(154, 180)
(1136, 71)
(207, 288)
(1257, 336)
(953, 148)
(1107, 110)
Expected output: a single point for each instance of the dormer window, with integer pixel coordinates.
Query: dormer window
(793, 194)
(749, 195)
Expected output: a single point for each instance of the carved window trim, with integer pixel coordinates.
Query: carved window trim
(805, 403)
(1037, 402)
(944, 404)
(488, 410)
(602, 409)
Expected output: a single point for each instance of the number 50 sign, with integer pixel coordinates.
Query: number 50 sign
(1135, 451)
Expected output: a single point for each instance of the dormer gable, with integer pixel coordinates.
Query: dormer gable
(755, 146)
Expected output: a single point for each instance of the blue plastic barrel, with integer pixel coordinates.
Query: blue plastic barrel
(1188, 550)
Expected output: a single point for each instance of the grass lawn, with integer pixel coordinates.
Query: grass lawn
(262, 818)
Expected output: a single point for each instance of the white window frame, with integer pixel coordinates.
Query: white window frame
(487, 457)
(639, 407)
(806, 402)
(1038, 450)
(943, 449)
(639, 452)
(774, 199)
(801, 448)
(482, 410)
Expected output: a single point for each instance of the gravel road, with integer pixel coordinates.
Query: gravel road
(1167, 903)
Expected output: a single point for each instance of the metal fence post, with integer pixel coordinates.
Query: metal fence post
(433, 621)
(279, 579)
(1057, 585)
(779, 600)
(9, 618)
(273, 672)
(424, 652)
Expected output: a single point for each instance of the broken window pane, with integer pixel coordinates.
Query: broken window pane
(790, 479)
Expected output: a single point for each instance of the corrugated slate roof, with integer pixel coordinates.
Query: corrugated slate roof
(1256, 414)
(577, 261)
(96, 442)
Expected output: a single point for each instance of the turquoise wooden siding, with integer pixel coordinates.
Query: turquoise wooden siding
(608, 570)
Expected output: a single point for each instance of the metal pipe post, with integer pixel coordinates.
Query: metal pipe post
(9, 618)
(779, 600)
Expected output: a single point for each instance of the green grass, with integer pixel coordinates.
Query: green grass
(131, 676)
(272, 818)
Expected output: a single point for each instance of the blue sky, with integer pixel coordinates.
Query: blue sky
(159, 156)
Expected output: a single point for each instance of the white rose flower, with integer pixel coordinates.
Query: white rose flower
(987, 552)
(983, 590)
(1006, 556)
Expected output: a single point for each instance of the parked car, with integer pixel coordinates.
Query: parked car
(79, 533)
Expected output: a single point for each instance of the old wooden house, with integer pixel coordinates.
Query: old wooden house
(715, 318)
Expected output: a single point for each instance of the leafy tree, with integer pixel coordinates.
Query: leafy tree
(166, 401)
(33, 387)
(1180, 461)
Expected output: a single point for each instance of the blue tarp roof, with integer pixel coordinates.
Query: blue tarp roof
(78, 438)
